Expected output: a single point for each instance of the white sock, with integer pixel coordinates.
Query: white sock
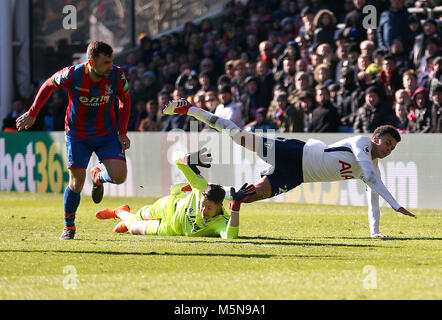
(241, 137)
(136, 225)
(127, 217)
(214, 121)
(144, 227)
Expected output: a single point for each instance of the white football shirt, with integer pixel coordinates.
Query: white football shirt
(348, 159)
(339, 161)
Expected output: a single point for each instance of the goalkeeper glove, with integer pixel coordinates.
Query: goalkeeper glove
(199, 159)
(238, 196)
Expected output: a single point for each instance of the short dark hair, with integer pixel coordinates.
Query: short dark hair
(388, 129)
(215, 193)
(389, 57)
(372, 89)
(226, 89)
(223, 79)
(96, 47)
(437, 89)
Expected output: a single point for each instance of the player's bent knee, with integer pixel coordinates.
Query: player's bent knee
(77, 188)
(119, 178)
(116, 169)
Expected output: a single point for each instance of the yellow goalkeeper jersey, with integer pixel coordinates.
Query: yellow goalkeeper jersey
(180, 214)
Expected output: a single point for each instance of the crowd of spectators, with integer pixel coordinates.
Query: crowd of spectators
(286, 65)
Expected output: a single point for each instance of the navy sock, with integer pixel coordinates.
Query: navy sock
(71, 200)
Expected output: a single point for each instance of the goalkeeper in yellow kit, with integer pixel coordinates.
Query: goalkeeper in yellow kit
(197, 213)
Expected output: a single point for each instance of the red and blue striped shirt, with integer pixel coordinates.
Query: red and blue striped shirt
(91, 110)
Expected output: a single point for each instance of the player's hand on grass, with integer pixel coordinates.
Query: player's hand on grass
(201, 158)
(405, 212)
(124, 141)
(25, 121)
(239, 196)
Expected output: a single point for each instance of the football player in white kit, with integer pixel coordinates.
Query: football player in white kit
(295, 162)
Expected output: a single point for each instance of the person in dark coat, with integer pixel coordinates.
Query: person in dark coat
(344, 98)
(414, 30)
(389, 78)
(354, 18)
(422, 111)
(429, 29)
(325, 117)
(433, 49)
(325, 28)
(286, 117)
(285, 77)
(373, 113)
(392, 25)
(435, 77)
(252, 99)
(436, 110)
(266, 81)
(402, 60)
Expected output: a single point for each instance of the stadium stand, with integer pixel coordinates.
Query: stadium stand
(297, 48)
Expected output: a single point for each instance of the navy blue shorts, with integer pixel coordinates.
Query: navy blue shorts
(285, 156)
(79, 150)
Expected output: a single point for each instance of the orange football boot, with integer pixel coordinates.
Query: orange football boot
(111, 213)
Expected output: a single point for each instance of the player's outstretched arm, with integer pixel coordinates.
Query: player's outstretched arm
(201, 158)
(188, 164)
(238, 197)
(372, 176)
(27, 120)
(373, 180)
(405, 212)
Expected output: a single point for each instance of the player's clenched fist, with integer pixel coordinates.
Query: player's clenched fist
(124, 141)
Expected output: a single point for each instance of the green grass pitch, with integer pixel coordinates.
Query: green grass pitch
(285, 251)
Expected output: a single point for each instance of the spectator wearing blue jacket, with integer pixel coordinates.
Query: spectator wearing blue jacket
(393, 24)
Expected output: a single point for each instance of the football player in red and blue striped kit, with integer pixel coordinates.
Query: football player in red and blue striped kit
(91, 123)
